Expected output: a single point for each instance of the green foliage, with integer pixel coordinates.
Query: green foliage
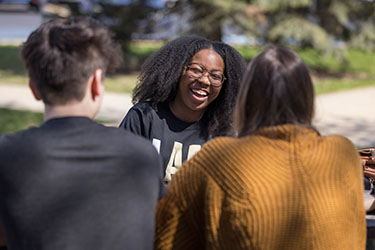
(137, 53)
(365, 38)
(124, 20)
(144, 48)
(340, 10)
(15, 120)
(248, 52)
(209, 16)
(355, 61)
(313, 23)
(274, 5)
(323, 63)
(300, 30)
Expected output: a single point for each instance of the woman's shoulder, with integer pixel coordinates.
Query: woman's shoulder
(337, 151)
(338, 141)
(143, 106)
(221, 142)
(219, 150)
(140, 113)
(142, 109)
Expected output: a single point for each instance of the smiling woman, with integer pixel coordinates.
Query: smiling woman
(185, 96)
(196, 90)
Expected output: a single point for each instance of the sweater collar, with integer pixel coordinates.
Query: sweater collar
(75, 121)
(287, 132)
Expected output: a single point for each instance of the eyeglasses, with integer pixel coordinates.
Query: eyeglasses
(197, 71)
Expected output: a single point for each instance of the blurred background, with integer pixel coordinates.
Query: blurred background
(336, 38)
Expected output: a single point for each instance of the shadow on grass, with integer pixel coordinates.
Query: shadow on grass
(360, 131)
(16, 120)
(10, 60)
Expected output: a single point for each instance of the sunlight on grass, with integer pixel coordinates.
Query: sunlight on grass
(335, 85)
(358, 69)
(115, 83)
(9, 78)
(16, 120)
(126, 83)
(120, 83)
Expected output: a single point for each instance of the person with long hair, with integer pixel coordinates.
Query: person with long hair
(279, 185)
(185, 96)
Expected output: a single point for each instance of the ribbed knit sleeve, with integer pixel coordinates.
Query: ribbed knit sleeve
(180, 214)
(353, 176)
(283, 188)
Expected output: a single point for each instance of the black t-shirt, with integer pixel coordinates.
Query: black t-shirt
(175, 140)
(74, 184)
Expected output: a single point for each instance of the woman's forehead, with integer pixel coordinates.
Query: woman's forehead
(209, 58)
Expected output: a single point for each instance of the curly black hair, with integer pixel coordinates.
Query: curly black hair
(160, 75)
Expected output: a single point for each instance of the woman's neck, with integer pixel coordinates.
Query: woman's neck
(185, 114)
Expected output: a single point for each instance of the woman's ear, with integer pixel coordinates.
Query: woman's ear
(34, 91)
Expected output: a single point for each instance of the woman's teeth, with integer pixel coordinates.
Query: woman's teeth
(200, 92)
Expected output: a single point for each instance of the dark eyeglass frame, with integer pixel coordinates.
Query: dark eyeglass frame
(204, 70)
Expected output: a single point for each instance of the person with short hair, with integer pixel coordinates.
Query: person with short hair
(279, 185)
(185, 96)
(73, 183)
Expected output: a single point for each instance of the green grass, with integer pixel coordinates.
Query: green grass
(248, 52)
(143, 49)
(10, 60)
(354, 61)
(357, 70)
(335, 85)
(12, 71)
(361, 62)
(15, 120)
(120, 83)
(114, 83)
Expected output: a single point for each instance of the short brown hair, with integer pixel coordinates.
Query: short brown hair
(276, 89)
(62, 54)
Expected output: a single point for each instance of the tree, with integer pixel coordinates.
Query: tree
(123, 18)
(290, 21)
(315, 23)
(209, 16)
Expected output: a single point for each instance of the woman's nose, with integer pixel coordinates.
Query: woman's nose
(205, 79)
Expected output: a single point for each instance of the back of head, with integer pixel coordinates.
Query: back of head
(62, 54)
(276, 89)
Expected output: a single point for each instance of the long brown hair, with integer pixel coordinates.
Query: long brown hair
(276, 89)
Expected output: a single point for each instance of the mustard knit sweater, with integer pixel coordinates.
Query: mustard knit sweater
(285, 187)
